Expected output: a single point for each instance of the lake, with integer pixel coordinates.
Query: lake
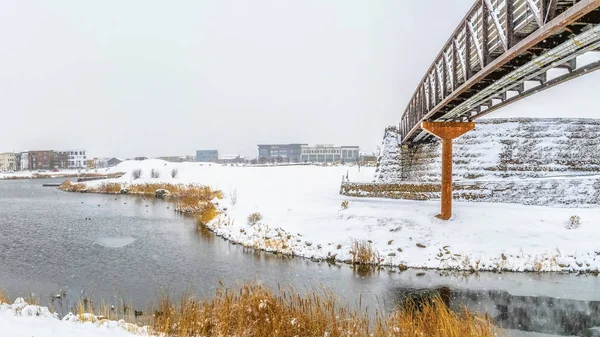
(112, 246)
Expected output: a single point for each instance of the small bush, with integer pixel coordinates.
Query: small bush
(174, 173)
(233, 197)
(574, 222)
(254, 218)
(345, 204)
(136, 174)
(155, 174)
(362, 253)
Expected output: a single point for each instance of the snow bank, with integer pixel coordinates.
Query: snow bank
(21, 319)
(302, 215)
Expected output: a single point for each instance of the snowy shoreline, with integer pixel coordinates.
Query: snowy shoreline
(302, 216)
(23, 319)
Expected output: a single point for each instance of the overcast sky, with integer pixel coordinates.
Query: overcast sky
(158, 78)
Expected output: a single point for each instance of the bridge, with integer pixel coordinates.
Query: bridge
(498, 49)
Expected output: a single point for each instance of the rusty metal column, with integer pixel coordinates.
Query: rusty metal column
(447, 131)
(446, 179)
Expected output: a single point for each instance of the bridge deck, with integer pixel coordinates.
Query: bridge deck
(497, 47)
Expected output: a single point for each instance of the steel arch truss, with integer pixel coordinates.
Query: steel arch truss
(497, 48)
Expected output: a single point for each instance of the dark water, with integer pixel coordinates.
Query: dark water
(105, 246)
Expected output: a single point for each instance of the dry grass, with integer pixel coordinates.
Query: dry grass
(363, 253)
(206, 213)
(255, 310)
(345, 204)
(70, 187)
(108, 188)
(254, 218)
(4, 297)
(434, 319)
(574, 222)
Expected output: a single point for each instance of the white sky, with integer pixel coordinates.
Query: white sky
(158, 78)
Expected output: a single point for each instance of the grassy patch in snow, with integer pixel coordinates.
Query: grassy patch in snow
(195, 200)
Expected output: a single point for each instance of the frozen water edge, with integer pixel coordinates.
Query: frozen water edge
(302, 215)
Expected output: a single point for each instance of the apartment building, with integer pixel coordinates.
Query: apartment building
(76, 158)
(60, 160)
(8, 161)
(280, 152)
(326, 153)
(24, 162)
(41, 160)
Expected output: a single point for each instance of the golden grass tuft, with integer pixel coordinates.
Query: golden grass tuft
(68, 186)
(107, 188)
(4, 297)
(433, 318)
(363, 253)
(206, 213)
(255, 310)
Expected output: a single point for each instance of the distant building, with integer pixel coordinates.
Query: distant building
(77, 158)
(91, 163)
(17, 161)
(113, 162)
(24, 162)
(8, 161)
(329, 153)
(207, 156)
(350, 153)
(61, 160)
(232, 159)
(280, 152)
(41, 160)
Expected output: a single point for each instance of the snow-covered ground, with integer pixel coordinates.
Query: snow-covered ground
(23, 320)
(30, 174)
(302, 214)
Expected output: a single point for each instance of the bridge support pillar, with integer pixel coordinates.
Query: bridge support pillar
(447, 131)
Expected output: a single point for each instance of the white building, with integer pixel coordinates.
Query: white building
(77, 158)
(24, 163)
(8, 161)
(328, 153)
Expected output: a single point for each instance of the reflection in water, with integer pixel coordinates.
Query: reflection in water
(526, 313)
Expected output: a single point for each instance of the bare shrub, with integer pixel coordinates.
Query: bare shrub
(345, 204)
(233, 197)
(136, 174)
(155, 174)
(254, 218)
(574, 222)
(174, 173)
